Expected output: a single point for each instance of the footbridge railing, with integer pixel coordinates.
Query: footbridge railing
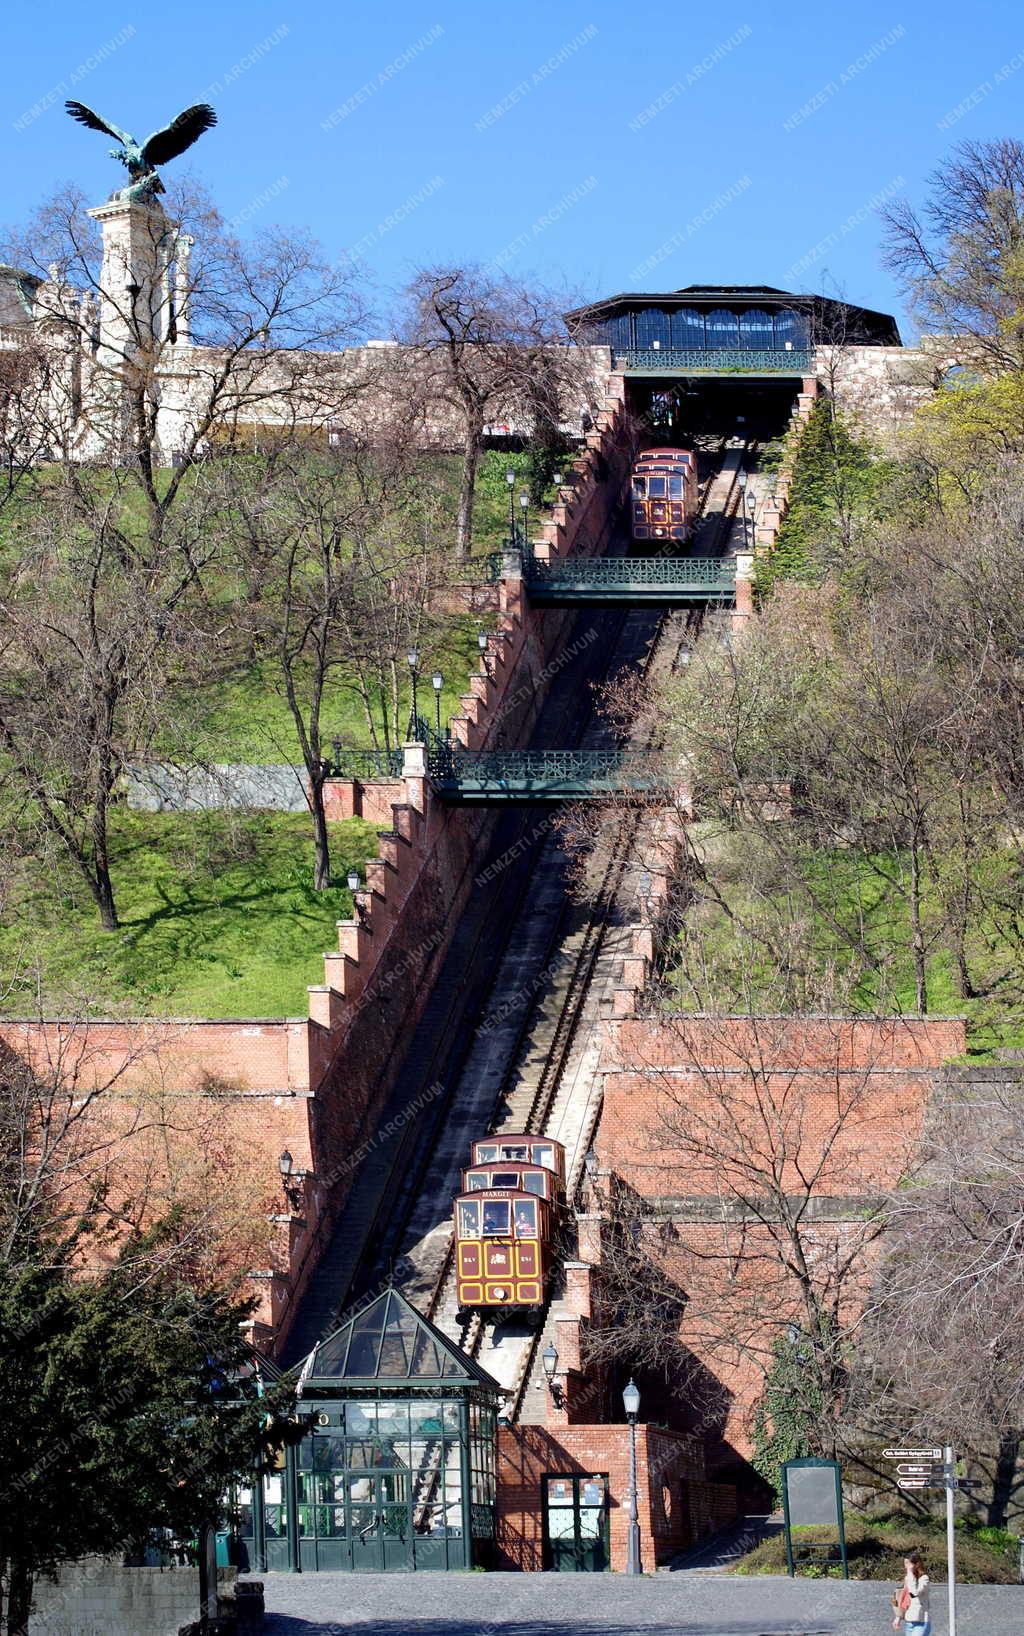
(464, 775)
(666, 580)
(715, 361)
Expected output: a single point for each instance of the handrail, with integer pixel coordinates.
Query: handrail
(625, 571)
(718, 360)
(350, 762)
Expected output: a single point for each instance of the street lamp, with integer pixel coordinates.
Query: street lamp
(631, 1403)
(549, 1360)
(354, 883)
(413, 661)
(437, 682)
(482, 640)
(510, 478)
(289, 1181)
(524, 506)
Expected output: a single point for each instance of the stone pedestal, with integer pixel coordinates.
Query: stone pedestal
(135, 297)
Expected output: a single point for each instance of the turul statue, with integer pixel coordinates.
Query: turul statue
(142, 158)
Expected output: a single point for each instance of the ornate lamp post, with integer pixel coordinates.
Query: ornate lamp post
(289, 1180)
(437, 682)
(549, 1359)
(413, 661)
(631, 1403)
(354, 883)
(510, 478)
(524, 506)
(482, 640)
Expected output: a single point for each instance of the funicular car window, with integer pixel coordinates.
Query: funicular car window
(505, 1178)
(535, 1184)
(496, 1217)
(675, 487)
(526, 1218)
(515, 1153)
(544, 1155)
(469, 1220)
(486, 1152)
(657, 487)
(640, 487)
(476, 1180)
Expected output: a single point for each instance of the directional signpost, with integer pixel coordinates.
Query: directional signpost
(934, 1468)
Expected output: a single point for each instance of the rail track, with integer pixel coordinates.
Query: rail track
(528, 1057)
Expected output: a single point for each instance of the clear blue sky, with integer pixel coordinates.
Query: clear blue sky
(600, 146)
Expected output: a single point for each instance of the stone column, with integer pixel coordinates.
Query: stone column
(744, 589)
(137, 245)
(183, 290)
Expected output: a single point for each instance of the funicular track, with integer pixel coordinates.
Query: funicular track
(531, 1096)
(523, 1063)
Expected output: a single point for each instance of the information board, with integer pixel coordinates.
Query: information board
(812, 1497)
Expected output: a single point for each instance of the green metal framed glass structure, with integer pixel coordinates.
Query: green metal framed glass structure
(395, 1469)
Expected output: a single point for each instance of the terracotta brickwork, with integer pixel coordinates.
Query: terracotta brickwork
(676, 1503)
(692, 1106)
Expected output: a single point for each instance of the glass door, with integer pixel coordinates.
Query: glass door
(576, 1523)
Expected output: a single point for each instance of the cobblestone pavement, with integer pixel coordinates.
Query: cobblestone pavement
(682, 1604)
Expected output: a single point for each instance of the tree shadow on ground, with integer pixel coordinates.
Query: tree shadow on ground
(284, 1625)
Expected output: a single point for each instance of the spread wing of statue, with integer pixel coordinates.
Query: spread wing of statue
(142, 158)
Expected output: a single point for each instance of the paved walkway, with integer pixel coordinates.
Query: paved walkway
(723, 1550)
(429, 1604)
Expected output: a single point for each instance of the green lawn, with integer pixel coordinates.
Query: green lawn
(856, 895)
(218, 919)
(244, 716)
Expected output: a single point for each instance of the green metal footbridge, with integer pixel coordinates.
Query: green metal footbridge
(664, 582)
(487, 776)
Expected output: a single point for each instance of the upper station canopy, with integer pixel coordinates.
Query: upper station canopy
(735, 326)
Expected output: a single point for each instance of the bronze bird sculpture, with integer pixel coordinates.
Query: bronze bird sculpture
(142, 158)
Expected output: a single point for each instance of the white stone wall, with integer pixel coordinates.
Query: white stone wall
(878, 387)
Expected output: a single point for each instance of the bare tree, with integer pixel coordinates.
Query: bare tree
(102, 605)
(952, 1280)
(960, 258)
(487, 342)
(348, 546)
(734, 1221)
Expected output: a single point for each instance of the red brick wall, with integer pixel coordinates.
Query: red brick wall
(674, 1499)
(836, 1101)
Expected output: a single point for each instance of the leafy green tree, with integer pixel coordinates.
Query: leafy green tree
(791, 1412)
(121, 1414)
(128, 1399)
(836, 480)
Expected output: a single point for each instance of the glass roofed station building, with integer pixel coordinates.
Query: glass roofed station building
(396, 1464)
(697, 357)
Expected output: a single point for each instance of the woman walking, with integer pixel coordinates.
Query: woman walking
(911, 1604)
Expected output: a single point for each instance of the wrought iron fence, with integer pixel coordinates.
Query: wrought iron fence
(365, 764)
(718, 360)
(625, 571)
(450, 763)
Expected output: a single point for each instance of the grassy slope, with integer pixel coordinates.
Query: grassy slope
(860, 895)
(218, 919)
(246, 717)
(876, 1548)
(218, 916)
